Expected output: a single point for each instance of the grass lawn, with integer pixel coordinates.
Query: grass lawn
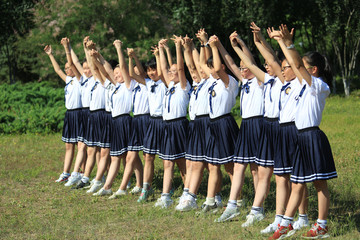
(32, 206)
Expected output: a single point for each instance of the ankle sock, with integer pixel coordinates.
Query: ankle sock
(193, 195)
(85, 179)
(286, 221)
(256, 210)
(231, 204)
(278, 219)
(146, 186)
(210, 201)
(303, 217)
(322, 223)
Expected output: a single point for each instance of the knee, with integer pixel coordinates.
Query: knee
(69, 146)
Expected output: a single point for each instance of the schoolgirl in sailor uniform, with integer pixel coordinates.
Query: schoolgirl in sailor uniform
(73, 105)
(316, 163)
(175, 123)
(154, 134)
(223, 129)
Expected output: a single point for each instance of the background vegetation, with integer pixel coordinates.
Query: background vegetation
(331, 27)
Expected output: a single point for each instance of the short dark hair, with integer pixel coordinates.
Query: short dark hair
(151, 64)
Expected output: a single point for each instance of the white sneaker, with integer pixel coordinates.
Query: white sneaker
(118, 194)
(241, 203)
(301, 223)
(208, 209)
(128, 185)
(73, 179)
(187, 203)
(228, 214)
(253, 218)
(103, 192)
(96, 185)
(218, 201)
(164, 202)
(269, 229)
(135, 190)
(63, 177)
(91, 184)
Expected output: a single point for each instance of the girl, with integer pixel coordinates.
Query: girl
(73, 106)
(316, 163)
(175, 123)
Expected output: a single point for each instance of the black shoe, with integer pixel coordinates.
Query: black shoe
(80, 185)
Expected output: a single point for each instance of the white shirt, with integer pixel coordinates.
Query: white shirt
(140, 103)
(109, 88)
(199, 99)
(86, 84)
(289, 101)
(121, 99)
(272, 89)
(97, 96)
(252, 98)
(156, 93)
(176, 101)
(221, 98)
(72, 93)
(311, 104)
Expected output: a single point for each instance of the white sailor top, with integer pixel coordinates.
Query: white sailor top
(252, 98)
(221, 98)
(288, 102)
(272, 89)
(156, 93)
(121, 99)
(97, 96)
(176, 101)
(72, 93)
(109, 88)
(199, 100)
(140, 101)
(311, 104)
(86, 85)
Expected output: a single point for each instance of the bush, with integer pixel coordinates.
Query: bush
(31, 108)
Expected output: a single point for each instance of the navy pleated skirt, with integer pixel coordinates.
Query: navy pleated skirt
(120, 134)
(268, 141)
(223, 133)
(94, 127)
(174, 140)
(140, 125)
(154, 135)
(107, 130)
(247, 142)
(71, 126)
(316, 162)
(83, 124)
(198, 137)
(287, 151)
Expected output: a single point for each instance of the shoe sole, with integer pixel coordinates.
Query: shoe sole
(227, 219)
(317, 237)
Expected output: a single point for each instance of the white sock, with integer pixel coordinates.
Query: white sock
(322, 223)
(278, 219)
(286, 221)
(85, 179)
(210, 201)
(231, 204)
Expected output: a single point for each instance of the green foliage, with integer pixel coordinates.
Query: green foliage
(31, 108)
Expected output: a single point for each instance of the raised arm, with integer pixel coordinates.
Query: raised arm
(93, 58)
(180, 61)
(139, 78)
(266, 51)
(235, 39)
(204, 55)
(75, 60)
(203, 38)
(168, 53)
(66, 44)
(54, 63)
(122, 63)
(213, 41)
(163, 62)
(99, 62)
(88, 46)
(139, 65)
(189, 60)
(229, 61)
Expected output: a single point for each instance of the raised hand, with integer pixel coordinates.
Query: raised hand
(233, 39)
(286, 35)
(130, 52)
(275, 34)
(187, 42)
(155, 50)
(177, 39)
(48, 49)
(94, 53)
(202, 35)
(118, 44)
(90, 44)
(86, 39)
(163, 43)
(255, 29)
(64, 41)
(213, 41)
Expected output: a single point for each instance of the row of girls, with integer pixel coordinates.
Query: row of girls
(281, 111)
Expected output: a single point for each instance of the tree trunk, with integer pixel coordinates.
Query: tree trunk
(346, 83)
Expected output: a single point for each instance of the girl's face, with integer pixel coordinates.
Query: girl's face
(202, 74)
(118, 76)
(87, 70)
(68, 71)
(312, 70)
(153, 74)
(245, 71)
(136, 70)
(287, 71)
(173, 73)
(269, 69)
(194, 76)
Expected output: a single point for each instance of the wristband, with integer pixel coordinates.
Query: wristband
(291, 46)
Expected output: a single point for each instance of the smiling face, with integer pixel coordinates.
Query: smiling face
(245, 71)
(86, 70)
(173, 74)
(118, 76)
(153, 74)
(269, 69)
(68, 71)
(287, 72)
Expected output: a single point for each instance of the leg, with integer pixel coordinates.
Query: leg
(297, 191)
(149, 169)
(139, 171)
(103, 163)
(229, 168)
(282, 193)
(181, 163)
(69, 155)
(131, 159)
(323, 198)
(98, 156)
(188, 173)
(303, 208)
(254, 173)
(238, 180)
(197, 170)
(214, 178)
(80, 156)
(168, 175)
(113, 171)
(264, 176)
(91, 152)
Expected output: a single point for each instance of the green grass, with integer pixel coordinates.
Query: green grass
(32, 206)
